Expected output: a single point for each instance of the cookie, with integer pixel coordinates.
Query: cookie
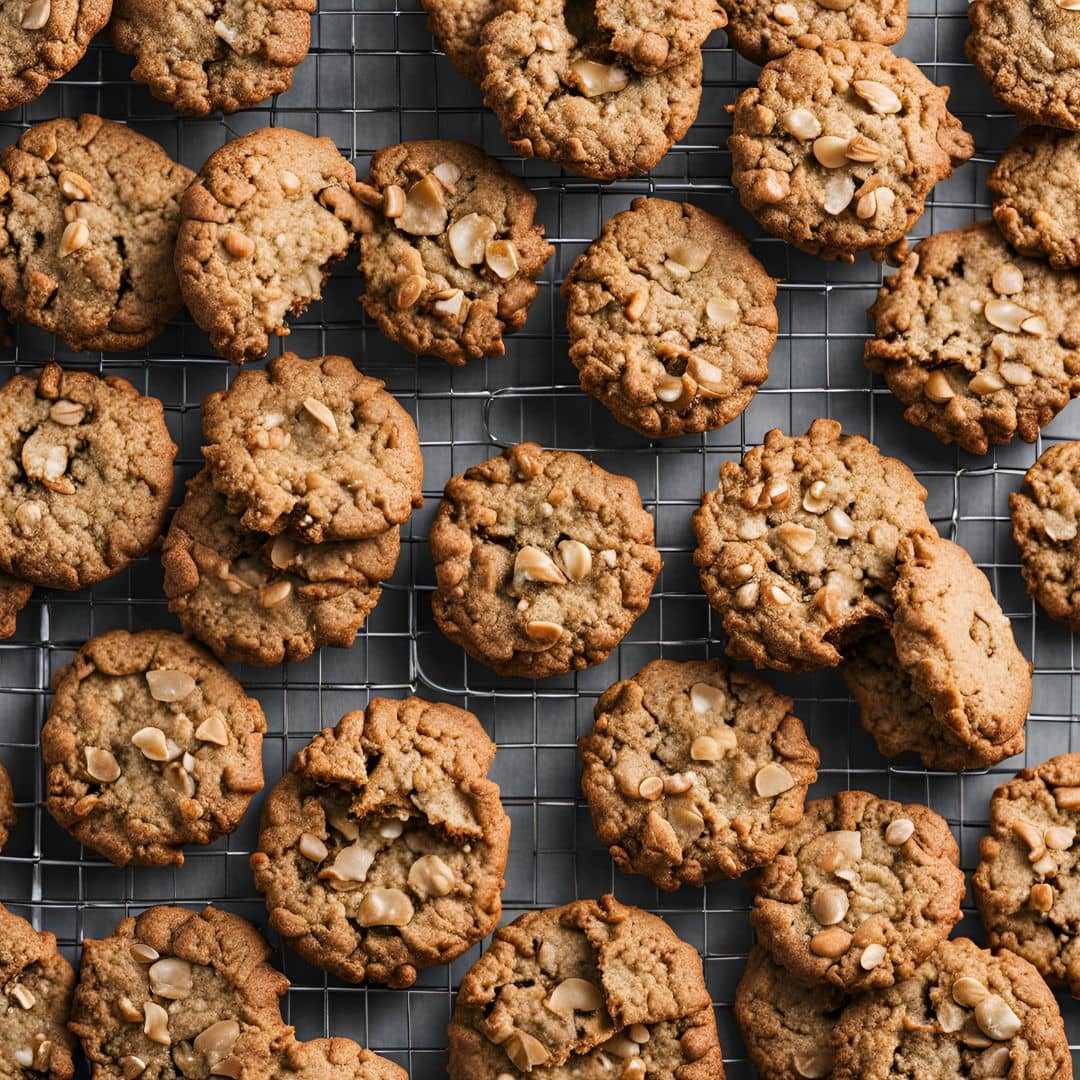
(43, 40)
(836, 148)
(965, 1012)
(382, 850)
(313, 447)
(259, 599)
(671, 319)
(202, 58)
(150, 744)
(785, 1025)
(184, 993)
(593, 988)
(262, 224)
(861, 894)
(1034, 185)
(797, 546)
(14, 596)
(451, 262)
(334, 1059)
(694, 771)
(457, 25)
(543, 561)
(87, 476)
(979, 344)
(89, 212)
(1026, 880)
(8, 816)
(560, 92)
(35, 999)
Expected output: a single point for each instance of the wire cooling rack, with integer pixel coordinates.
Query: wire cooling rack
(372, 79)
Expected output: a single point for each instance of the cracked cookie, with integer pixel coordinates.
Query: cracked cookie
(543, 561)
(979, 344)
(227, 55)
(150, 744)
(178, 993)
(561, 92)
(451, 261)
(836, 148)
(671, 319)
(313, 447)
(965, 1012)
(382, 850)
(7, 806)
(593, 988)
(694, 771)
(862, 892)
(35, 998)
(334, 1059)
(89, 212)
(797, 546)
(263, 222)
(86, 477)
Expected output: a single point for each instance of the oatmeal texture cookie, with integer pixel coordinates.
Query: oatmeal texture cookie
(35, 999)
(593, 988)
(543, 561)
(978, 343)
(228, 55)
(313, 447)
(694, 771)
(334, 1059)
(7, 806)
(85, 477)
(797, 546)
(964, 1012)
(264, 221)
(837, 147)
(862, 892)
(382, 850)
(150, 744)
(89, 212)
(452, 259)
(457, 25)
(671, 319)
(186, 993)
(560, 92)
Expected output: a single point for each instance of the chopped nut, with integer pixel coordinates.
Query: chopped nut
(786, 14)
(967, 991)
(155, 747)
(532, 564)
(777, 595)
(813, 500)
(1059, 837)
(143, 953)
(752, 528)
(772, 780)
(156, 1024)
(704, 698)
(1067, 798)
(28, 517)
(862, 149)
(274, 593)
(449, 304)
(634, 1069)
(839, 524)
(543, 632)
(216, 1041)
(576, 558)
(1036, 326)
(575, 995)
(1016, 374)
(679, 783)
(166, 684)
(23, 996)
(801, 123)
(24, 1056)
(525, 1051)
(468, 238)
(937, 388)
(996, 1019)
(746, 595)
(393, 201)
(448, 174)
(409, 290)
(639, 1033)
(312, 848)
(1007, 279)
(227, 33)
(101, 764)
(171, 978)
(501, 256)
(132, 1066)
(238, 245)
(881, 98)
(691, 255)
(36, 15)
(548, 958)
(424, 213)
(831, 151)
(814, 1066)
(290, 182)
(866, 206)
(595, 79)
(76, 235)
(350, 867)
(46, 464)
(831, 943)
(1044, 865)
(67, 413)
(385, 907)
(722, 311)
(1041, 897)
(899, 831)
(839, 191)
(128, 1010)
(796, 538)
(232, 1067)
(651, 788)
(430, 876)
(1030, 835)
(986, 382)
(635, 308)
(213, 730)
(1004, 314)
(829, 905)
(320, 412)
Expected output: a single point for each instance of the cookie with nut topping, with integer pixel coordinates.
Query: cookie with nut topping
(837, 147)
(593, 988)
(334, 1059)
(694, 771)
(382, 850)
(7, 806)
(543, 561)
(89, 212)
(671, 319)
(978, 343)
(150, 744)
(862, 892)
(451, 262)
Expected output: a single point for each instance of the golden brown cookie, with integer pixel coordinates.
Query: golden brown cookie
(8, 816)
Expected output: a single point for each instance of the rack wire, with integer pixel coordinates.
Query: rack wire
(374, 78)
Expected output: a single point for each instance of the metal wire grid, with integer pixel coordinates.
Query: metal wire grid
(373, 79)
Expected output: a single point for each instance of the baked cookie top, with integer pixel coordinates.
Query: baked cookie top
(671, 319)
(334, 1059)
(583, 989)
(313, 447)
(382, 850)
(863, 891)
(150, 744)
(14, 596)
(226, 56)
(457, 24)
(797, 546)
(184, 993)
(979, 344)
(268, 215)
(35, 995)
(7, 806)
(89, 212)
(543, 561)
(560, 92)
(694, 771)
(451, 262)
(85, 478)
(837, 147)
(965, 1012)
(261, 599)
